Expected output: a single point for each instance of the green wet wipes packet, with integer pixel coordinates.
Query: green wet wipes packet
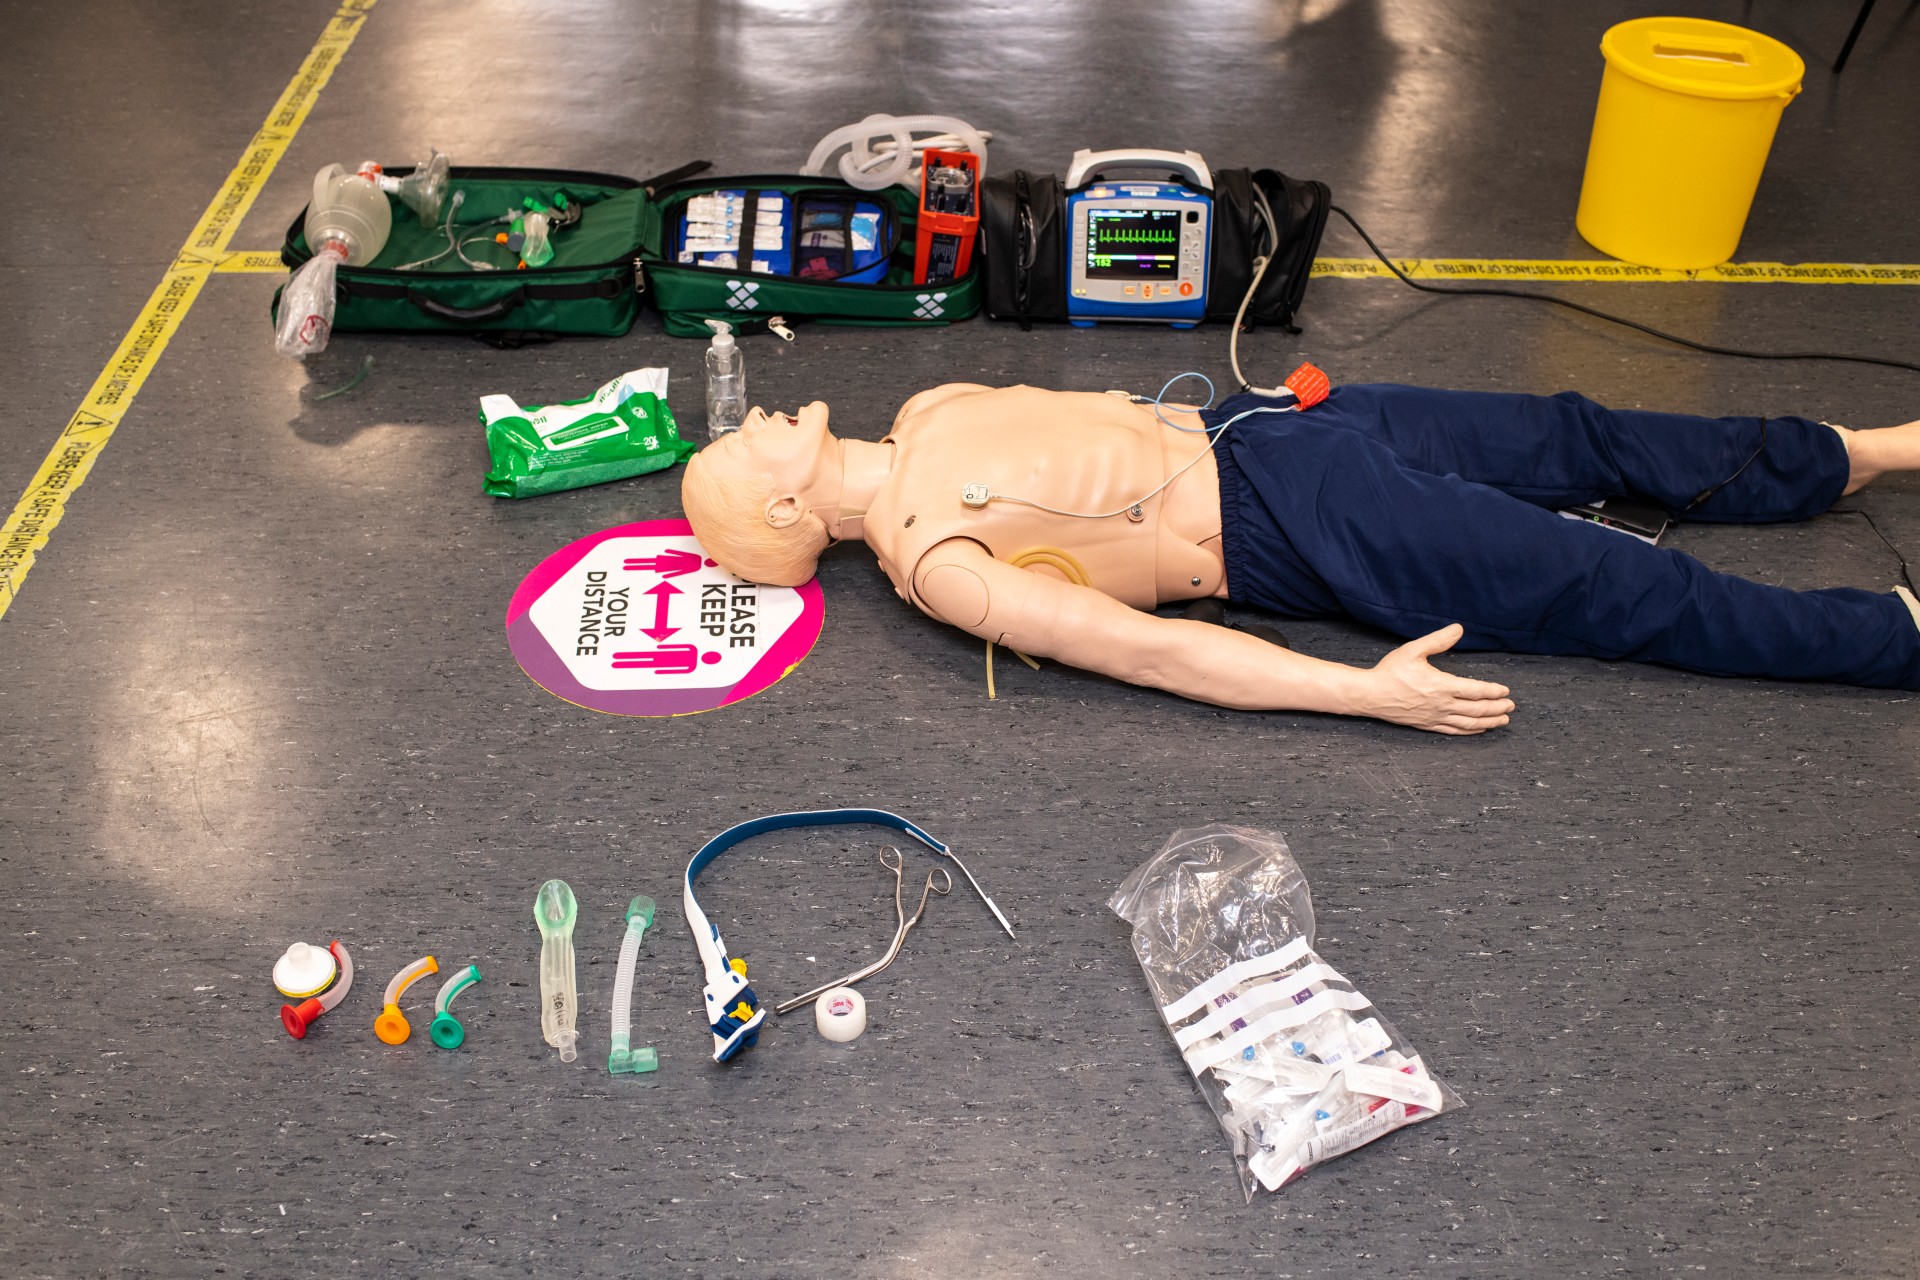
(623, 429)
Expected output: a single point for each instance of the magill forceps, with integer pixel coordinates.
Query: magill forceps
(938, 881)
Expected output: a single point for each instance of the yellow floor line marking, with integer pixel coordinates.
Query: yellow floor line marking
(1605, 269)
(253, 262)
(267, 261)
(86, 434)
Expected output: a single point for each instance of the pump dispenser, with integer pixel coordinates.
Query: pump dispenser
(726, 382)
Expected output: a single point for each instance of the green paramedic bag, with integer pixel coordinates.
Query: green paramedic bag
(871, 284)
(589, 287)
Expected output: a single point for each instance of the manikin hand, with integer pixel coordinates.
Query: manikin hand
(1412, 691)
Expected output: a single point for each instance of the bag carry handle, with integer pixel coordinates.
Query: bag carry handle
(498, 309)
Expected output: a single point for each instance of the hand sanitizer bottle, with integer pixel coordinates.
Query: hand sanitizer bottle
(726, 382)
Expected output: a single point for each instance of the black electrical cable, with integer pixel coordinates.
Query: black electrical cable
(1885, 541)
(1753, 457)
(1710, 349)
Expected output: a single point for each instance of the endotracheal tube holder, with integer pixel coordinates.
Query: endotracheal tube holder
(446, 1029)
(554, 910)
(296, 1018)
(622, 1059)
(392, 1025)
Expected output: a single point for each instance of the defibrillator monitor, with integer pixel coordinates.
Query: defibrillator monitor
(1138, 250)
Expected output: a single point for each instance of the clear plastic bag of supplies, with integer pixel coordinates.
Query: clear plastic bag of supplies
(1297, 1065)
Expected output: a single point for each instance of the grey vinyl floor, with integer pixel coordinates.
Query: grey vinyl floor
(1659, 933)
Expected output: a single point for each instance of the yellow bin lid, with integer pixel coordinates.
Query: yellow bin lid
(1703, 58)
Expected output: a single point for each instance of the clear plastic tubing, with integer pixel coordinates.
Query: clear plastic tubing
(554, 910)
(621, 1056)
(623, 982)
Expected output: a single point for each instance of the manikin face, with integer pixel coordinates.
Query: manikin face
(792, 451)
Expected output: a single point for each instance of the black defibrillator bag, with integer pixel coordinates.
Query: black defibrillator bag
(1024, 245)
(1300, 218)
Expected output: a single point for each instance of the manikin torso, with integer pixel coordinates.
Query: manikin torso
(1076, 451)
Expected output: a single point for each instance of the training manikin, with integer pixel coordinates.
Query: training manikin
(1430, 514)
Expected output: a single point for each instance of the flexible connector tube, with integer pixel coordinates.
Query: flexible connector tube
(623, 984)
(621, 1057)
(871, 167)
(392, 1025)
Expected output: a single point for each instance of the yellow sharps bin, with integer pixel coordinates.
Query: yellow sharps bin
(1686, 117)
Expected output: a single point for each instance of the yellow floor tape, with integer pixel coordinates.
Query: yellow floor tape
(263, 261)
(1561, 271)
(66, 465)
(1547, 270)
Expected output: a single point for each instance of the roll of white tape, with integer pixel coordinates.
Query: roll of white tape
(841, 1014)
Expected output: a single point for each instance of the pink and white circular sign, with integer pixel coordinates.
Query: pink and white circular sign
(637, 621)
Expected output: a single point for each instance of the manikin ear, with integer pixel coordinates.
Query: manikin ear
(785, 512)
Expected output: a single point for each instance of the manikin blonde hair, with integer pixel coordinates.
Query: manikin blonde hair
(726, 503)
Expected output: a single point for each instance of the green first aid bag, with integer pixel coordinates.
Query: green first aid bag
(590, 286)
(830, 252)
(623, 429)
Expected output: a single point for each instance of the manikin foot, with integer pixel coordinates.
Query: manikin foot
(1871, 454)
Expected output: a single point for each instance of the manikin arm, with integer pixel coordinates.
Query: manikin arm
(958, 582)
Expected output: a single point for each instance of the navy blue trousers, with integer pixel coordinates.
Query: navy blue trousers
(1409, 509)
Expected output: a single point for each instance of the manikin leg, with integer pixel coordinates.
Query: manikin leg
(1321, 518)
(1559, 451)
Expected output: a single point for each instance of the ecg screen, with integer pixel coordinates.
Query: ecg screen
(1133, 244)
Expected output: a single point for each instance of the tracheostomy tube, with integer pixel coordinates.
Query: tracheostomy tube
(392, 1025)
(296, 1018)
(621, 1058)
(554, 910)
(446, 1029)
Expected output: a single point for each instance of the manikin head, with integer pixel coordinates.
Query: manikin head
(751, 495)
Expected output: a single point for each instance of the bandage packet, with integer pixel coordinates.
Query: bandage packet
(1298, 1066)
(623, 429)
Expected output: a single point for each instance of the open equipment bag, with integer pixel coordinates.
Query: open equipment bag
(824, 250)
(841, 255)
(589, 287)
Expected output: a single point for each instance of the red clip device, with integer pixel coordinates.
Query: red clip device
(949, 219)
(1309, 384)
